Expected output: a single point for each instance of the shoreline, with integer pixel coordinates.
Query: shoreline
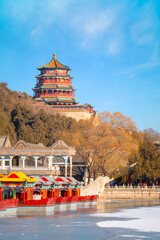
(130, 193)
(85, 223)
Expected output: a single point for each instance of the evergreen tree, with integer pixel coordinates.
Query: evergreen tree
(148, 162)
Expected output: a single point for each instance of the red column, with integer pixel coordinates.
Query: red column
(77, 192)
(27, 194)
(56, 193)
(24, 192)
(0, 193)
(52, 192)
(32, 193)
(69, 192)
(45, 193)
(41, 193)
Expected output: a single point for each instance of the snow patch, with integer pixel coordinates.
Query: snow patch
(145, 219)
(133, 236)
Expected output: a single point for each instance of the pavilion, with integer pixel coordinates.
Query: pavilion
(54, 88)
(35, 159)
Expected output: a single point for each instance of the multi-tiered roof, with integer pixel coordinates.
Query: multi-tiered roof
(54, 87)
(54, 84)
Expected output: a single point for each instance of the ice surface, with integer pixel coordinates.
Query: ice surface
(82, 225)
(141, 219)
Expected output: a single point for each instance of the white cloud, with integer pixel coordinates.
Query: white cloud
(154, 61)
(144, 33)
(144, 28)
(98, 23)
(104, 28)
(99, 28)
(38, 16)
(92, 26)
(114, 46)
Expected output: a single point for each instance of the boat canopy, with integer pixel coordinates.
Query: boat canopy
(17, 177)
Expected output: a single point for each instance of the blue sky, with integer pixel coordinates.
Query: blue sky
(112, 47)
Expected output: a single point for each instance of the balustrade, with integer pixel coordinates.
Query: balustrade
(132, 188)
(59, 94)
(54, 81)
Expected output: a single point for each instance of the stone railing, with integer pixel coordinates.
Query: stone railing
(133, 188)
(131, 192)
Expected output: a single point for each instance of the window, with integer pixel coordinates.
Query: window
(58, 159)
(29, 161)
(15, 161)
(6, 163)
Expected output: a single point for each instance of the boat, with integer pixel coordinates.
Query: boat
(21, 194)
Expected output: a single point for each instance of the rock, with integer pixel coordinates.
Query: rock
(96, 187)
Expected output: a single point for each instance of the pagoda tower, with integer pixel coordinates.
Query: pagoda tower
(54, 88)
(54, 84)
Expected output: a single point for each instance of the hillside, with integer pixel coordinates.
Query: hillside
(23, 118)
(106, 147)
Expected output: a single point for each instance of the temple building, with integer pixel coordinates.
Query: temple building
(54, 88)
(36, 159)
(59, 159)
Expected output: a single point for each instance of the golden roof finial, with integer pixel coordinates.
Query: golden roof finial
(54, 56)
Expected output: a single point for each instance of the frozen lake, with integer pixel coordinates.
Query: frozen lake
(116, 219)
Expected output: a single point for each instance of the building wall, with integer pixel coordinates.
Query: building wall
(78, 115)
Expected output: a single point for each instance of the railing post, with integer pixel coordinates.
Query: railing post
(2, 162)
(50, 162)
(36, 157)
(23, 161)
(10, 162)
(70, 166)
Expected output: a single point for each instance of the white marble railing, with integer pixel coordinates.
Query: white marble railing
(132, 188)
(30, 168)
